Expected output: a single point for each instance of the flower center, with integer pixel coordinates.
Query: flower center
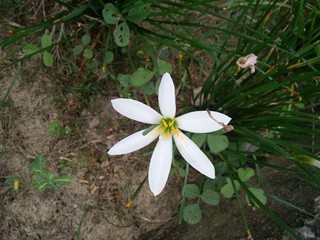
(168, 126)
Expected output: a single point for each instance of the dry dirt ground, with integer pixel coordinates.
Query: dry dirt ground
(93, 205)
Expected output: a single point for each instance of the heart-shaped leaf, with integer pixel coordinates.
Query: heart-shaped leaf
(210, 197)
(191, 191)
(217, 143)
(259, 194)
(121, 34)
(139, 12)
(245, 174)
(192, 214)
(111, 14)
(141, 76)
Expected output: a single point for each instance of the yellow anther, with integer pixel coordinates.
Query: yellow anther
(175, 131)
(164, 123)
(171, 123)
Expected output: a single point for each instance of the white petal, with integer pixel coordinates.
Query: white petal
(193, 155)
(136, 110)
(134, 142)
(167, 97)
(160, 165)
(200, 121)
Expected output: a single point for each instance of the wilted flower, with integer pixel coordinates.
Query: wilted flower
(247, 61)
(165, 127)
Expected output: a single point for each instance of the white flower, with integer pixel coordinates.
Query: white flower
(167, 126)
(247, 61)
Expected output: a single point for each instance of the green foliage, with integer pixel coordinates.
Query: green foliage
(141, 76)
(178, 167)
(199, 139)
(30, 49)
(245, 174)
(42, 179)
(217, 143)
(55, 129)
(46, 42)
(139, 12)
(164, 67)
(191, 191)
(111, 14)
(230, 188)
(259, 194)
(192, 214)
(13, 182)
(121, 34)
(210, 197)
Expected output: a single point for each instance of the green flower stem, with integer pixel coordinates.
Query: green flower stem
(183, 198)
(231, 173)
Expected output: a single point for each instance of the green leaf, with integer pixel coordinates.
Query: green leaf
(88, 53)
(85, 39)
(217, 143)
(78, 49)
(192, 214)
(29, 49)
(317, 49)
(62, 180)
(46, 40)
(111, 14)
(141, 76)
(38, 164)
(108, 57)
(299, 105)
(199, 139)
(47, 59)
(245, 174)
(191, 191)
(210, 197)
(259, 194)
(139, 12)
(182, 172)
(148, 88)
(121, 34)
(227, 190)
(164, 67)
(210, 184)
(124, 79)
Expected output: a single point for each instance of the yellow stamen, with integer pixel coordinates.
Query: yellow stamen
(164, 123)
(129, 203)
(175, 131)
(166, 135)
(171, 123)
